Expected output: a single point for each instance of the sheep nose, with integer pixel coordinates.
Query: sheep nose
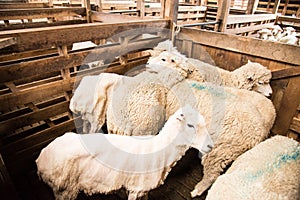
(210, 147)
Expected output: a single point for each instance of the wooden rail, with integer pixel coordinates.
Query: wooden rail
(45, 38)
(238, 24)
(13, 14)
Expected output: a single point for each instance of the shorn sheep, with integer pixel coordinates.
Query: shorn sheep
(270, 170)
(103, 163)
(251, 76)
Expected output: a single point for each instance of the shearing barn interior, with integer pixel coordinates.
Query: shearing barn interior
(150, 99)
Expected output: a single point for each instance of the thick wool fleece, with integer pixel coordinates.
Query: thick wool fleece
(270, 170)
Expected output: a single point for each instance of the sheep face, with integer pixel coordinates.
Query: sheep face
(256, 77)
(195, 127)
(265, 34)
(166, 59)
(263, 87)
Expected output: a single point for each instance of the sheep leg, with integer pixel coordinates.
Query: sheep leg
(137, 196)
(215, 162)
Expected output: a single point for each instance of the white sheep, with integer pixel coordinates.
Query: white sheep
(90, 99)
(277, 32)
(103, 163)
(270, 170)
(237, 119)
(251, 76)
(266, 34)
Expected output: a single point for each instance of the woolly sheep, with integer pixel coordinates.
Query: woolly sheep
(277, 32)
(148, 91)
(236, 119)
(266, 34)
(90, 99)
(270, 170)
(251, 76)
(101, 163)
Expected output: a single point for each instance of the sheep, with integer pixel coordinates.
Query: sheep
(270, 170)
(266, 34)
(148, 90)
(237, 120)
(251, 76)
(277, 32)
(90, 99)
(103, 163)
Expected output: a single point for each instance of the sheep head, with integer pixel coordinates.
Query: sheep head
(254, 76)
(194, 128)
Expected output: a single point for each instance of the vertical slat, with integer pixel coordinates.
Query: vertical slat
(251, 6)
(288, 107)
(141, 7)
(276, 6)
(222, 15)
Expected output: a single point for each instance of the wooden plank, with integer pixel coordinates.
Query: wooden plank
(56, 63)
(43, 38)
(235, 19)
(10, 125)
(222, 15)
(247, 29)
(288, 19)
(288, 107)
(250, 46)
(41, 24)
(22, 5)
(33, 146)
(170, 11)
(5, 42)
(36, 138)
(37, 93)
(13, 14)
(285, 73)
(252, 6)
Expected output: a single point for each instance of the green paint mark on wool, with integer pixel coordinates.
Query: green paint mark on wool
(215, 91)
(279, 161)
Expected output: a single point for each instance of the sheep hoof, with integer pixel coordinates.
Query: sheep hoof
(194, 193)
(201, 187)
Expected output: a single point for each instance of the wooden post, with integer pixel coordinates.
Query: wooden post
(169, 10)
(99, 4)
(50, 3)
(252, 6)
(285, 7)
(276, 6)
(87, 5)
(141, 7)
(222, 15)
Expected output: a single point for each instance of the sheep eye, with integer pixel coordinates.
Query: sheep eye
(190, 125)
(181, 115)
(163, 59)
(172, 60)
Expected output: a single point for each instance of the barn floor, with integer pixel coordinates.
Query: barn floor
(179, 184)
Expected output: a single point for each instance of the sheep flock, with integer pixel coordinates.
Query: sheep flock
(177, 103)
(286, 35)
